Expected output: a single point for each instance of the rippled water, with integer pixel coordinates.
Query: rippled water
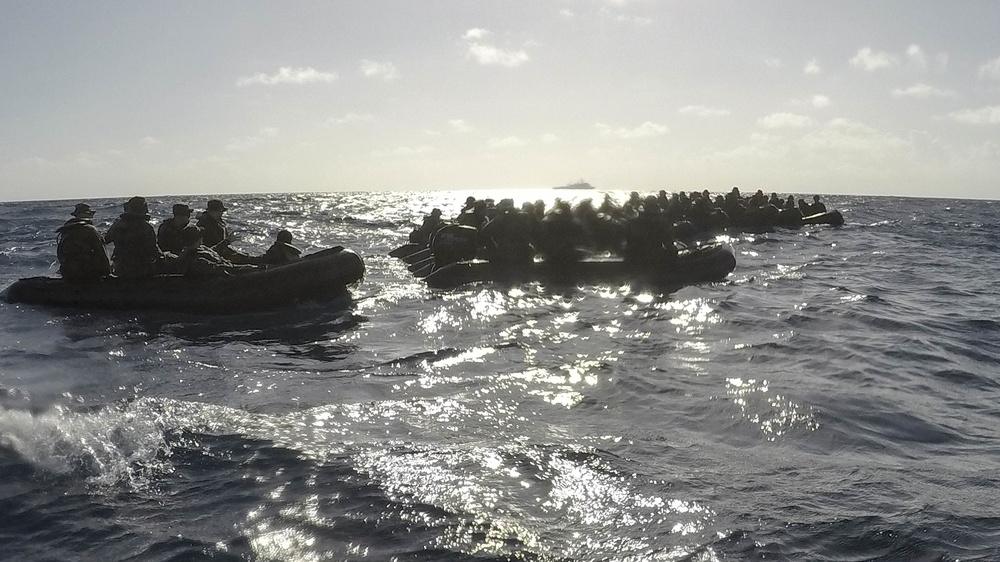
(836, 399)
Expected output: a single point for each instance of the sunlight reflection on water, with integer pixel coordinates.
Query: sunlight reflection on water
(511, 493)
(774, 415)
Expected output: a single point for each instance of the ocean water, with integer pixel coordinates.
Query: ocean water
(837, 398)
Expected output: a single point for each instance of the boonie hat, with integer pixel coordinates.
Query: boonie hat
(82, 210)
(136, 205)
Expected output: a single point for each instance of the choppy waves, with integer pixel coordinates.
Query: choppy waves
(835, 399)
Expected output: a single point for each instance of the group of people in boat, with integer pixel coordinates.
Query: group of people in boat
(199, 250)
(643, 230)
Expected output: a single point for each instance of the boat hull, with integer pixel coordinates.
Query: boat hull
(766, 219)
(832, 218)
(322, 276)
(702, 265)
(406, 250)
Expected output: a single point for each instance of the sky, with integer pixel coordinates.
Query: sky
(117, 98)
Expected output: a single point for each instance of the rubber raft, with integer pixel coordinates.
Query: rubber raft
(703, 264)
(322, 276)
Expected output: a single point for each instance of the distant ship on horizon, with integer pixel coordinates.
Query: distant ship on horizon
(579, 184)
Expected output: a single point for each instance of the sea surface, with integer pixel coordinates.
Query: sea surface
(837, 398)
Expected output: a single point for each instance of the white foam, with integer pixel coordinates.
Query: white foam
(105, 448)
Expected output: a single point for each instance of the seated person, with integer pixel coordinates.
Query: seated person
(80, 248)
(453, 243)
(508, 236)
(649, 243)
(282, 250)
(805, 208)
(168, 235)
(561, 236)
(474, 216)
(136, 254)
(213, 226)
(217, 234)
(198, 261)
(818, 206)
(431, 223)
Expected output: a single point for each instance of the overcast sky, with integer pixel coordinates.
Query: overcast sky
(886, 97)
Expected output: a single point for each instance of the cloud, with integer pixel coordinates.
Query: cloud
(149, 142)
(990, 70)
(350, 118)
(289, 75)
(820, 101)
(404, 151)
(459, 126)
(637, 20)
(486, 54)
(839, 145)
(506, 142)
(812, 68)
(917, 57)
(567, 13)
(772, 63)
(647, 129)
(984, 116)
(476, 33)
(489, 54)
(786, 121)
(79, 160)
(703, 111)
(252, 141)
(385, 70)
(922, 91)
(548, 138)
(853, 136)
(612, 12)
(870, 61)
(761, 138)
(922, 62)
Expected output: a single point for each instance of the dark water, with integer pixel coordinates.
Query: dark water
(836, 399)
